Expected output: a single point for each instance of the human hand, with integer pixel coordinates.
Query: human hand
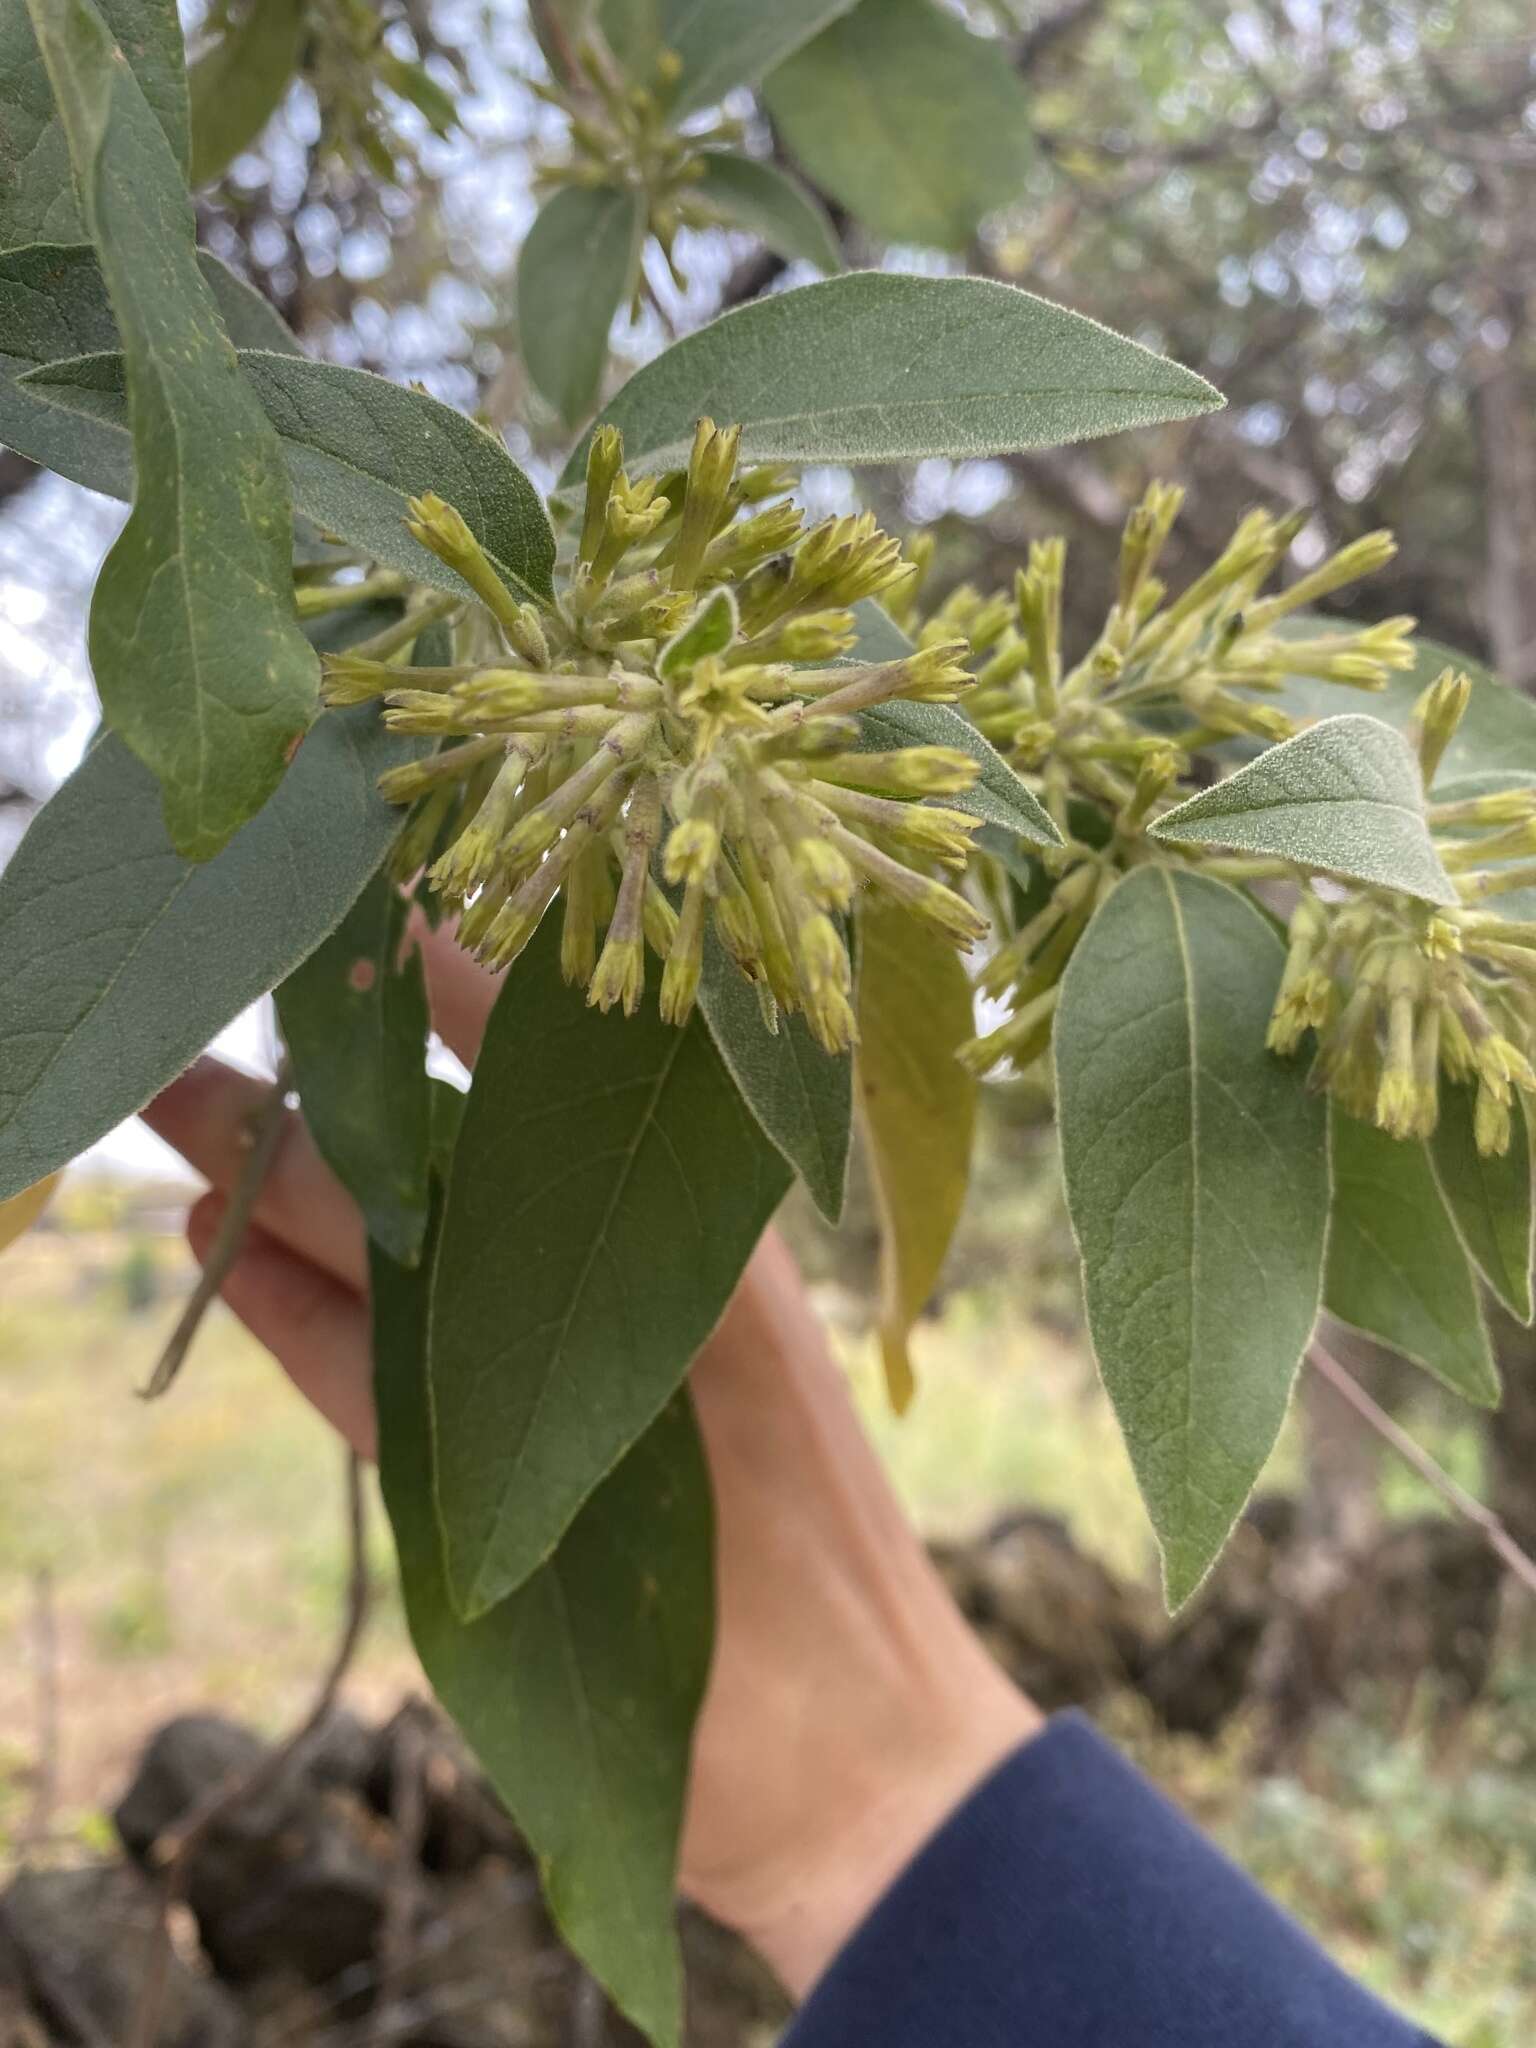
(849, 1708)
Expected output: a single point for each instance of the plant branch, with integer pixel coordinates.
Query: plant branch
(264, 1130)
(174, 1851)
(1504, 1547)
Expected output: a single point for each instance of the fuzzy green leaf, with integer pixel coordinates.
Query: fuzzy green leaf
(1197, 1179)
(579, 1693)
(1489, 1198)
(195, 644)
(53, 307)
(354, 1018)
(917, 126)
(719, 43)
(918, 1109)
(123, 959)
(607, 1189)
(38, 200)
(1344, 796)
(576, 268)
(238, 83)
(766, 202)
(357, 448)
(873, 367)
(1396, 1268)
(801, 1095)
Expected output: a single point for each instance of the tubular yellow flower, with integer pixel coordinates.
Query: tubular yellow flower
(649, 734)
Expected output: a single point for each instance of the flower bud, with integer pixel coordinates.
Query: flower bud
(443, 530)
(605, 460)
(1436, 717)
(706, 503)
(1362, 557)
(912, 771)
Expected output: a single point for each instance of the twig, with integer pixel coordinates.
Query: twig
(1504, 1547)
(265, 1129)
(45, 1667)
(408, 1813)
(175, 1850)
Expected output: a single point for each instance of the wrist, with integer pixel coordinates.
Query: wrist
(893, 1803)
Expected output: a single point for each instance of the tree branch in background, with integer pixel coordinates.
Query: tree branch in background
(15, 474)
(173, 1854)
(264, 1129)
(1520, 1566)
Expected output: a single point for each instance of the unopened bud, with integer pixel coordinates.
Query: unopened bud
(605, 459)
(446, 533)
(1362, 557)
(706, 503)
(1436, 716)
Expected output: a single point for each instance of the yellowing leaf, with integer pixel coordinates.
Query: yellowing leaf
(918, 1106)
(18, 1215)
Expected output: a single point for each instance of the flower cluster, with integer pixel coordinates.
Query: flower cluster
(1166, 676)
(676, 746)
(358, 77)
(622, 134)
(1399, 992)
(1113, 738)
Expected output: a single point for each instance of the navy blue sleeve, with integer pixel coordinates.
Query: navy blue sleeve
(1068, 1905)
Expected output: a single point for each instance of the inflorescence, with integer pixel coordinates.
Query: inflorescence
(1400, 992)
(1396, 990)
(674, 747)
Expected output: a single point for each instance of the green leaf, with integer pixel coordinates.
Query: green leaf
(765, 201)
(997, 795)
(1197, 1179)
(918, 126)
(579, 1692)
(1344, 796)
(38, 201)
(800, 1095)
(250, 321)
(354, 1018)
(918, 1106)
(1396, 1268)
(878, 637)
(711, 629)
(576, 268)
(608, 1187)
(238, 83)
(1489, 1198)
(872, 367)
(357, 448)
(122, 958)
(53, 306)
(719, 43)
(195, 643)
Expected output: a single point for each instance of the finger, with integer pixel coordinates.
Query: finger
(206, 1116)
(459, 989)
(316, 1328)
